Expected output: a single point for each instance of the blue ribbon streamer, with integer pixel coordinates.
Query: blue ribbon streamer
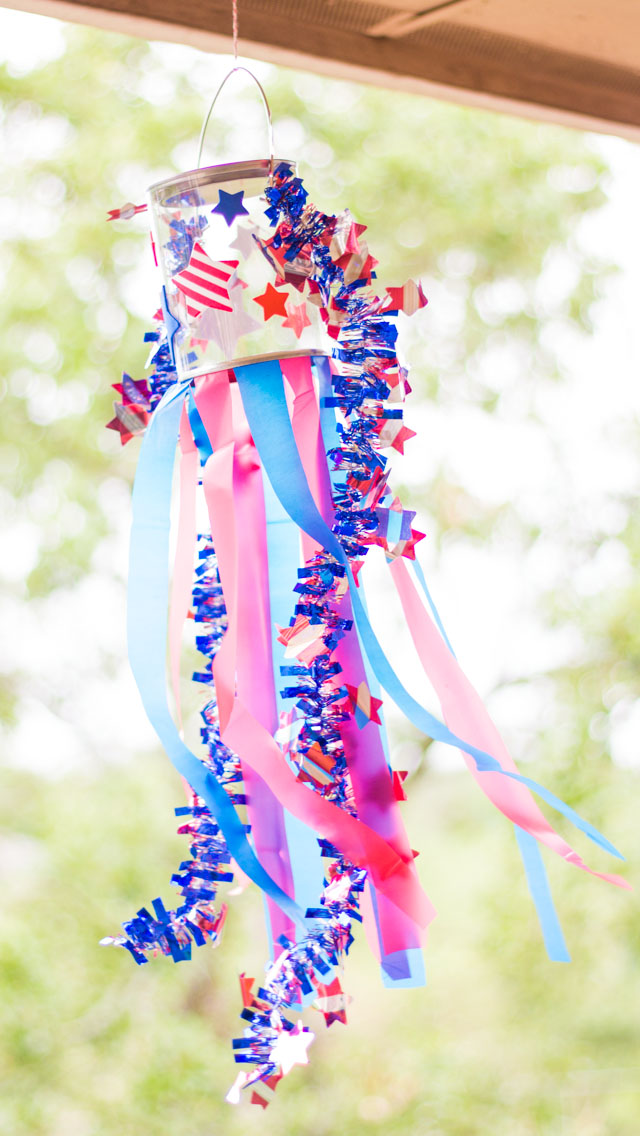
(540, 892)
(417, 567)
(147, 618)
(200, 436)
(264, 400)
(535, 871)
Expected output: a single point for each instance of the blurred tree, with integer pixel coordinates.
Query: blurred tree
(480, 206)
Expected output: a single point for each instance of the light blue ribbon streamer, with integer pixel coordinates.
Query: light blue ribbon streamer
(417, 567)
(535, 871)
(263, 396)
(147, 618)
(540, 892)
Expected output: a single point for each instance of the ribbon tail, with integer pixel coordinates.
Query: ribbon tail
(535, 871)
(464, 711)
(540, 892)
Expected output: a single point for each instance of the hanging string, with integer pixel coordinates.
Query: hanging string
(265, 101)
(238, 67)
(234, 14)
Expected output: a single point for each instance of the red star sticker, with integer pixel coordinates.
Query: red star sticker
(245, 987)
(272, 302)
(399, 777)
(409, 549)
(297, 318)
(356, 565)
(403, 435)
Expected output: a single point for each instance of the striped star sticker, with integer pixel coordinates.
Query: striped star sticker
(409, 298)
(365, 706)
(302, 639)
(332, 1002)
(204, 283)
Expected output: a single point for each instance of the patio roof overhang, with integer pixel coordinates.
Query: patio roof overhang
(571, 61)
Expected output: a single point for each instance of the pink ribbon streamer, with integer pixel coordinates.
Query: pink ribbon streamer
(466, 716)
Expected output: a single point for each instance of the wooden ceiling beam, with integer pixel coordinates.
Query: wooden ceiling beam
(403, 23)
(499, 73)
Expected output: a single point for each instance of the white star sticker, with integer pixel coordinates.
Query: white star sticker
(291, 1048)
(244, 241)
(226, 328)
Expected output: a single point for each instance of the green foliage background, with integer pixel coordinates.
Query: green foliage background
(501, 1041)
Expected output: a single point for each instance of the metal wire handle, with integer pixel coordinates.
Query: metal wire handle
(266, 108)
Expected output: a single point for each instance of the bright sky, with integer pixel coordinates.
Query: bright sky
(576, 462)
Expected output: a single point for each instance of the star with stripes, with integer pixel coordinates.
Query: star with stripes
(272, 302)
(230, 205)
(263, 1095)
(394, 522)
(133, 392)
(130, 419)
(394, 433)
(365, 706)
(315, 765)
(408, 299)
(204, 283)
(303, 639)
(332, 1002)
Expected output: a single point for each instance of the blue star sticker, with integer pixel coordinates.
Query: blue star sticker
(230, 205)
